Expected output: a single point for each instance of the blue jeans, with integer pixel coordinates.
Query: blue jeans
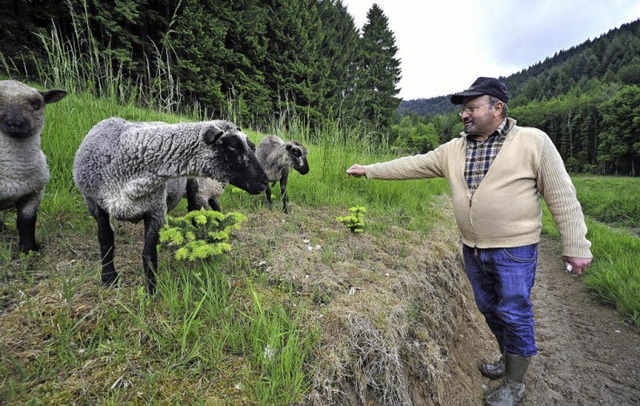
(502, 279)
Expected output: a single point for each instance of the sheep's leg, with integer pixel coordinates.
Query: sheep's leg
(215, 204)
(107, 246)
(192, 193)
(283, 191)
(152, 224)
(267, 192)
(27, 231)
(26, 223)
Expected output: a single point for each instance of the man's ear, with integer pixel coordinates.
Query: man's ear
(498, 107)
(212, 135)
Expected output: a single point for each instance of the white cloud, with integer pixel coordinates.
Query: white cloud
(445, 46)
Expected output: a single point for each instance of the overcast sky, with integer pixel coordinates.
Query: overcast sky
(443, 46)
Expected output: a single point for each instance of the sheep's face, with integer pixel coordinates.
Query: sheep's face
(298, 156)
(234, 152)
(22, 108)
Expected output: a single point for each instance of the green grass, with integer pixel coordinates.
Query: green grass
(220, 320)
(218, 332)
(72, 340)
(609, 199)
(224, 331)
(614, 275)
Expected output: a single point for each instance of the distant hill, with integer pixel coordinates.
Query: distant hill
(426, 107)
(612, 57)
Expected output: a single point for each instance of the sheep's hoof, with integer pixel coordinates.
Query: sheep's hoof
(27, 249)
(151, 289)
(110, 280)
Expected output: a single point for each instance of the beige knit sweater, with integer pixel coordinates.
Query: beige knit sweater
(505, 210)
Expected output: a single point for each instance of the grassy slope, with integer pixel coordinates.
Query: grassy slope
(65, 338)
(213, 329)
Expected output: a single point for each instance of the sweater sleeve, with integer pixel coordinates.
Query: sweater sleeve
(555, 185)
(429, 165)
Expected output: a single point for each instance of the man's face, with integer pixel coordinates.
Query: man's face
(479, 116)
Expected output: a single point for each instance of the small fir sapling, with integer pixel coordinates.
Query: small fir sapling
(200, 234)
(354, 221)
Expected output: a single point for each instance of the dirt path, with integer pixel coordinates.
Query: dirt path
(587, 354)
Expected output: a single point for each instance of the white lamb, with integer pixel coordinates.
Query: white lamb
(23, 166)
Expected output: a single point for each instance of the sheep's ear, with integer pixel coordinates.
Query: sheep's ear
(288, 147)
(212, 135)
(52, 96)
(252, 146)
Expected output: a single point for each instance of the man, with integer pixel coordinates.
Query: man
(497, 172)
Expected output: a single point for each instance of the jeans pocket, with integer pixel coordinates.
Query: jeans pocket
(527, 253)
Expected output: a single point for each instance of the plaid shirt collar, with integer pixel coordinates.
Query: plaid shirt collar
(480, 155)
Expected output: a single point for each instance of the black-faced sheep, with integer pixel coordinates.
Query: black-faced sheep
(128, 170)
(23, 166)
(276, 157)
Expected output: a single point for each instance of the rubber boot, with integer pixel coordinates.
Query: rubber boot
(494, 370)
(511, 391)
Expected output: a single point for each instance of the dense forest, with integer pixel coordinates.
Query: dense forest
(255, 61)
(586, 98)
(268, 63)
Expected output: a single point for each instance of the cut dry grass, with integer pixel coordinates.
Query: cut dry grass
(389, 307)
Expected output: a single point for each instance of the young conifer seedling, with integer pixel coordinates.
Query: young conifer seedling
(354, 222)
(199, 234)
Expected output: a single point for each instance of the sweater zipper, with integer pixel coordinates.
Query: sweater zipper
(475, 247)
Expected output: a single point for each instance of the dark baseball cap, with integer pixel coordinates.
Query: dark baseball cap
(491, 86)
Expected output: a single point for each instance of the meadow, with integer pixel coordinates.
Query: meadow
(228, 330)
(298, 307)
(68, 339)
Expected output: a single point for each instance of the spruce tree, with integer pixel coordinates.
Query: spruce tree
(292, 66)
(380, 72)
(242, 80)
(198, 42)
(340, 58)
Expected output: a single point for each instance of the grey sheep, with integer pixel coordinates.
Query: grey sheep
(276, 157)
(23, 166)
(137, 171)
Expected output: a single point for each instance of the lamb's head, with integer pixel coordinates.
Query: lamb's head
(22, 108)
(298, 156)
(235, 161)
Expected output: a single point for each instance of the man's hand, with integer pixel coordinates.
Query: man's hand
(356, 170)
(576, 266)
